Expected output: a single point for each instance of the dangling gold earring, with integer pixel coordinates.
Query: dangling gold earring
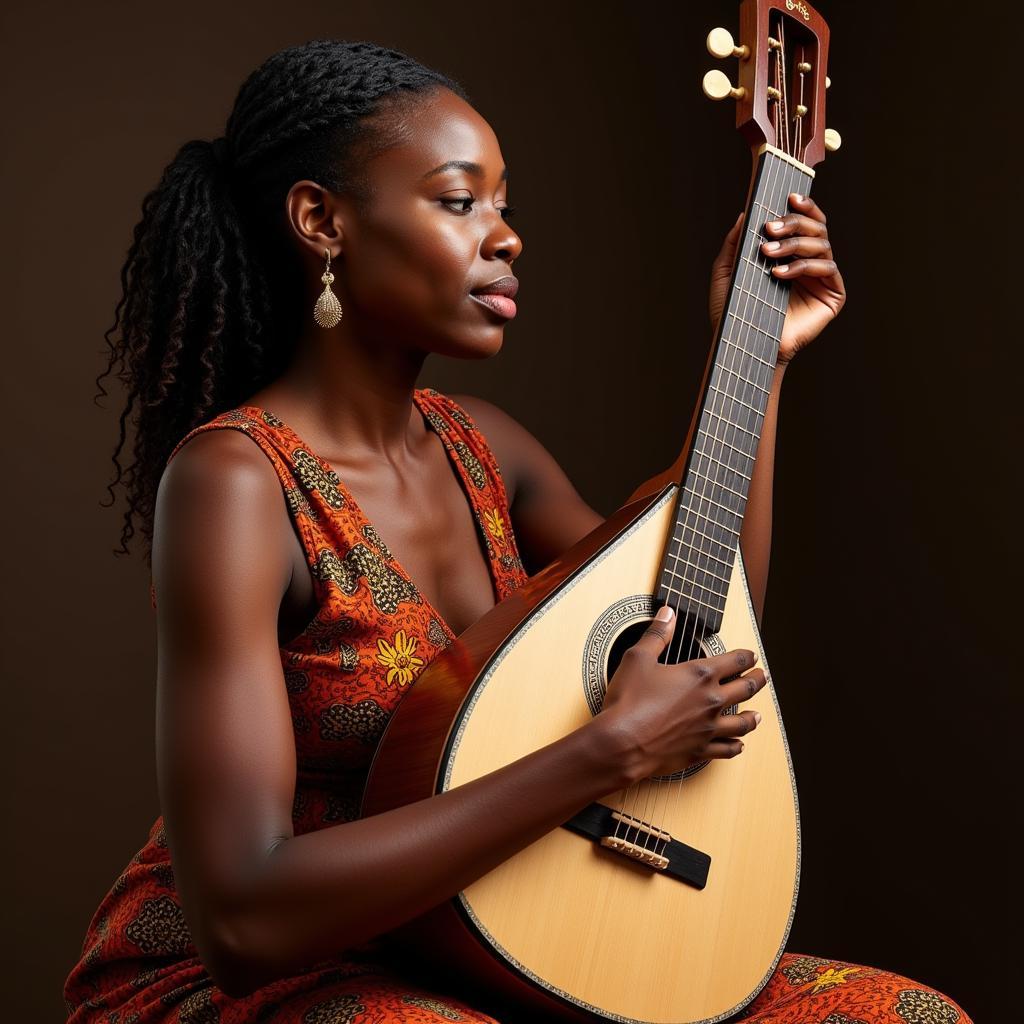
(327, 311)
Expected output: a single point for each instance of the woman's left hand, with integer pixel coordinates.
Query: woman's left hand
(817, 293)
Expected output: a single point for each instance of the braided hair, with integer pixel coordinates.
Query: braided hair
(210, 293)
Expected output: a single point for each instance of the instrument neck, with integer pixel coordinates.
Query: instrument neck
(699, 557)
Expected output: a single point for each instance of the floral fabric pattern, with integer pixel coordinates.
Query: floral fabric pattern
(373, 634)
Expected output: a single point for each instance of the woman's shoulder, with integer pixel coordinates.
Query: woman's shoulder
(213, 481)
(219, 460)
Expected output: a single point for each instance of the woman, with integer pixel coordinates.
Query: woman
(289, 630)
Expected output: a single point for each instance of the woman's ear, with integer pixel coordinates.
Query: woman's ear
(316, 218)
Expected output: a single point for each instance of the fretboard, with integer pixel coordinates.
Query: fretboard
(699, 556)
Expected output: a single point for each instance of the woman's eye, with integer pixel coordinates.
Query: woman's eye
(461, 199)
(506, 211)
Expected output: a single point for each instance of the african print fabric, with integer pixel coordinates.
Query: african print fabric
(374, 632)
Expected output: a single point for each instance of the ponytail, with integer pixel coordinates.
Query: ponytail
(209, 307)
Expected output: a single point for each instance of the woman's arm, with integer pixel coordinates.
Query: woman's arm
(262, 903)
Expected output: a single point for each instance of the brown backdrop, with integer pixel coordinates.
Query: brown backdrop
(889, 617)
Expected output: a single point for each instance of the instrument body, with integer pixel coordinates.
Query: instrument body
(672, 901)
(652, 946)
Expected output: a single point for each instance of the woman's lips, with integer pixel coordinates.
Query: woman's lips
(501, 304)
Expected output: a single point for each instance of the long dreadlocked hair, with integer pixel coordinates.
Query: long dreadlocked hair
(209, 311)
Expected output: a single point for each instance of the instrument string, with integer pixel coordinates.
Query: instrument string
(747, 310)
(730, 360)
(755, 283)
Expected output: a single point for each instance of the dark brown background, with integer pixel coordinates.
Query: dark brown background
(891, 611)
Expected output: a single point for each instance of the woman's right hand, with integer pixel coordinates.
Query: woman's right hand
(662, 718)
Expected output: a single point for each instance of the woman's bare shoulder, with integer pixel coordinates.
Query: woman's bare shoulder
(219, 506)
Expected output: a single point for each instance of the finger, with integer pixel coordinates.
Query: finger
(737, 725)
(729, 665)
(723, 748)
(656, 636)
(795, 224)
(806, 268)
(743, 688)
(798, 245)
(806, 205)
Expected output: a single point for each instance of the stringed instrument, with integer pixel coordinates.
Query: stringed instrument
(670, 901)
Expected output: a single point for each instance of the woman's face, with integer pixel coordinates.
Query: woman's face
(433, 231)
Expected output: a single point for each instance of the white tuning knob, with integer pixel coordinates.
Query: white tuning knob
(833, 140)
(721, 45)
(828, 82)
(716, 87)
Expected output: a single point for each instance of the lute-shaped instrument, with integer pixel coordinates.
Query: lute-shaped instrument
(672, 901)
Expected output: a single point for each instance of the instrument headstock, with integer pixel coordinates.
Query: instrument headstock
(780, 96)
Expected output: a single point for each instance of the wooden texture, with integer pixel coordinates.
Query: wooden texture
(565, 916)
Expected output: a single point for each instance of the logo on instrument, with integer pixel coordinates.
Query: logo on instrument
(795, 5)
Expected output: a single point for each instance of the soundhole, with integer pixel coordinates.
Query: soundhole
(690, 641)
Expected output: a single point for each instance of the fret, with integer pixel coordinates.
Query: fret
(752, 383)
(760, 330)
(745, 351)
(760, 264)
(707, 572)
(718, 504)
(739, 451)
(683, 545)
(718, 462)
(723, 565)
(772, 215)
(679, 522)
(706, 536)
(690, 599)
(718, 416)
(717, 483)
(738, 401)
(759, 298)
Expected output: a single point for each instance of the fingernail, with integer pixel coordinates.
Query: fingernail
(757, 717)
(665, 613)
(771, 246)
(781, 268)
(776, 225)
(799, 198)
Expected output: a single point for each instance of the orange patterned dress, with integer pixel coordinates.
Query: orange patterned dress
(372, 635)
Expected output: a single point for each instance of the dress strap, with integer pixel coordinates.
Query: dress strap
(475, 461)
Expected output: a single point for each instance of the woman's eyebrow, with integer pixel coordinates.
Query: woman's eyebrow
(464, 165)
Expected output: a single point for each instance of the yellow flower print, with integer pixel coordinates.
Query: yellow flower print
(832, 977)
(399, 659)
(496, 525)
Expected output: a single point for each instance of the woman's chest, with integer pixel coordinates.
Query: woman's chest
(425, 533)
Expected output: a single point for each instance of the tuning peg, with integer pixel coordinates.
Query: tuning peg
(833, 140)
(716, 87)
(722, 45)
(828, 82)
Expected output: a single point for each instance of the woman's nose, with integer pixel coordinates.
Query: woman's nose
(503, 243)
